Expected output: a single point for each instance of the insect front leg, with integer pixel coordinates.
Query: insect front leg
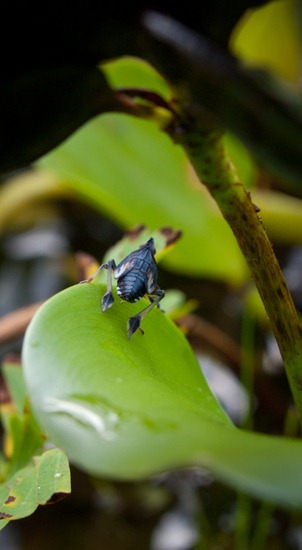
(135, 321)
(94, 275)
(108, 299)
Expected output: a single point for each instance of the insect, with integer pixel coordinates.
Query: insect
(136, 277)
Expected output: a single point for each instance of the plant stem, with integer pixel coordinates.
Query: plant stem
(242, 522)
(263, 525)
(208, 157)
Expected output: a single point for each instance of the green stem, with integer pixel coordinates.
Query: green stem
(207, 155)
(242, 522)
(263, 525)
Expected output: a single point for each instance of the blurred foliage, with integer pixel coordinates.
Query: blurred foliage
(278, 50)
(29, 476)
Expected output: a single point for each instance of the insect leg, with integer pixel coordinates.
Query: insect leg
(135, 321)
(94, 275)
(108, 299)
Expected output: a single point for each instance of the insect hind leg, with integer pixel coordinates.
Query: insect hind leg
(135, 321)
(152, 299)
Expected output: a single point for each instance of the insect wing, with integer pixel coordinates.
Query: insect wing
(125, 265)
(143, 256)
(151, 278)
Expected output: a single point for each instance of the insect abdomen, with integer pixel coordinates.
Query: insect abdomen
(132, 286)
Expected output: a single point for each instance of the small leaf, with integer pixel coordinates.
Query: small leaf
(135, 73)
(175, 304)
(43, 477)
(164, 239)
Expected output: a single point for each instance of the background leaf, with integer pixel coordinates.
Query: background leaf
(14, 378)
(132, 72)
(23, 437)
(251, 40)
(133, 173)
(43, 477)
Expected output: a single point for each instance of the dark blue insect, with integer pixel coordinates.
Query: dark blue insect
(136, 277)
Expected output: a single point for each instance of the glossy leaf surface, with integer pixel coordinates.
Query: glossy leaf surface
(129, 409)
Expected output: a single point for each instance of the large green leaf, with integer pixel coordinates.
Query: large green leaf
(129, 409)
(133, 172)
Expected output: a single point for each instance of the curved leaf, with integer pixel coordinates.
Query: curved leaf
(131, 171)
(269, 37)
(129, 409)
(132, 72)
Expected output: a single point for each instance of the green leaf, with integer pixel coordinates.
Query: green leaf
(131, 171)
(14, 378)
(129, 409)
(281, 214)
(132, 72)
(26, 439)
(163, 240)
(45, 476)
(269, 37)
(21, 429)
(175, 304)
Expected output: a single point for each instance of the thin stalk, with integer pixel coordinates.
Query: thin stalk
(208, 156)
(242, 522)
(210, 88)
(263, 525)
(244, 503)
